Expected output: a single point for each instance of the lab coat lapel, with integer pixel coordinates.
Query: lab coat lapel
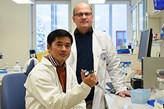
(72, 60)
(74, 51)
(68, 79)
(74, 54)
(96, 51)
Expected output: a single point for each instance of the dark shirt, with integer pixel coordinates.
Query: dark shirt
(84, 56)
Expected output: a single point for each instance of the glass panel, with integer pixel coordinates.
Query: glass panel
(102, 21)
(43, 26)
(141, 17)
(119, 20)
(114, 19)
(62, 16)
(134, 26)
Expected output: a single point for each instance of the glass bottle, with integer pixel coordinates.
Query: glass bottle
(159, 93)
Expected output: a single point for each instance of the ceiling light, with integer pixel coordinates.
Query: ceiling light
(24, 1)
(96, 1)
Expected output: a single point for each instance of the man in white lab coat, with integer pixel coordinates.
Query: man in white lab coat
(52, 84)
(94, 50)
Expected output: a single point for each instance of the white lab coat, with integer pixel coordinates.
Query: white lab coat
(44, 91)
(105, 61)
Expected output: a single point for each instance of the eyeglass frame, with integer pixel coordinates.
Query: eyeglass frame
(80, 14)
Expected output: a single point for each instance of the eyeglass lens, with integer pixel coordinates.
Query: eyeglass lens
(81, 14)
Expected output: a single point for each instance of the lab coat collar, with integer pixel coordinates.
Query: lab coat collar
(77, 32)
(46, 61)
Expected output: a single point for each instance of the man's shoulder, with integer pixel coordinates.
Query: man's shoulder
(100, 32)
(101, 35)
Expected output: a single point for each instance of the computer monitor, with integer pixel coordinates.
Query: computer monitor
(145, 44)
(144, 50)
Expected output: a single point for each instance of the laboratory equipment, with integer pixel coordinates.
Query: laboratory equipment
(140, 96)
(159, 89)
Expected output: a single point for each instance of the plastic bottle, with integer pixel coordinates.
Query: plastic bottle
(17, 67)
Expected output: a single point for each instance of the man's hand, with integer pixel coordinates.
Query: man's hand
(124, 93)
(90, 80)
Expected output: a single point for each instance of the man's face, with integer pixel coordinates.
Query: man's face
(60, 49)
(83, 16)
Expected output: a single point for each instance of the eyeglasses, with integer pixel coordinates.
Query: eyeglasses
(87, 14)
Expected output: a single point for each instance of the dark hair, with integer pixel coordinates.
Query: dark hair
(58, 33)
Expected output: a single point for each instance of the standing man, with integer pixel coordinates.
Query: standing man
(52, 84)
(94, 50)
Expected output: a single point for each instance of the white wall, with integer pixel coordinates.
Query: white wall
(14, 32)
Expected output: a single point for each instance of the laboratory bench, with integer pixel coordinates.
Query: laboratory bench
(116, 102)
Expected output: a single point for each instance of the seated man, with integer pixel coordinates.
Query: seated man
(52, 84)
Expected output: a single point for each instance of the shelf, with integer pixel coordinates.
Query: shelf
(156, 14)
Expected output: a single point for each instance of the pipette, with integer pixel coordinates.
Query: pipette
(97, 84)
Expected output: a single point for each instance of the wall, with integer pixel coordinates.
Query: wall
(14, 32)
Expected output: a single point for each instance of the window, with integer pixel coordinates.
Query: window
(134, 26)
(113, 21)
(142, 18)
(49, 17)
(138, 21)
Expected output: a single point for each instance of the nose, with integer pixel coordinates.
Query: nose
(63, 48)
(83, 15)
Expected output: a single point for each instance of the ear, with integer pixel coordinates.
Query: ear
(73, 18)
(48, 47)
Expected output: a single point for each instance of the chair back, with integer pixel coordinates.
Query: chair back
(13, 91)
(30, 67)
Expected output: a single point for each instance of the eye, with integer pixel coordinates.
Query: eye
(87, 14)
(59, 44)
(81, 14)
(68, 46)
